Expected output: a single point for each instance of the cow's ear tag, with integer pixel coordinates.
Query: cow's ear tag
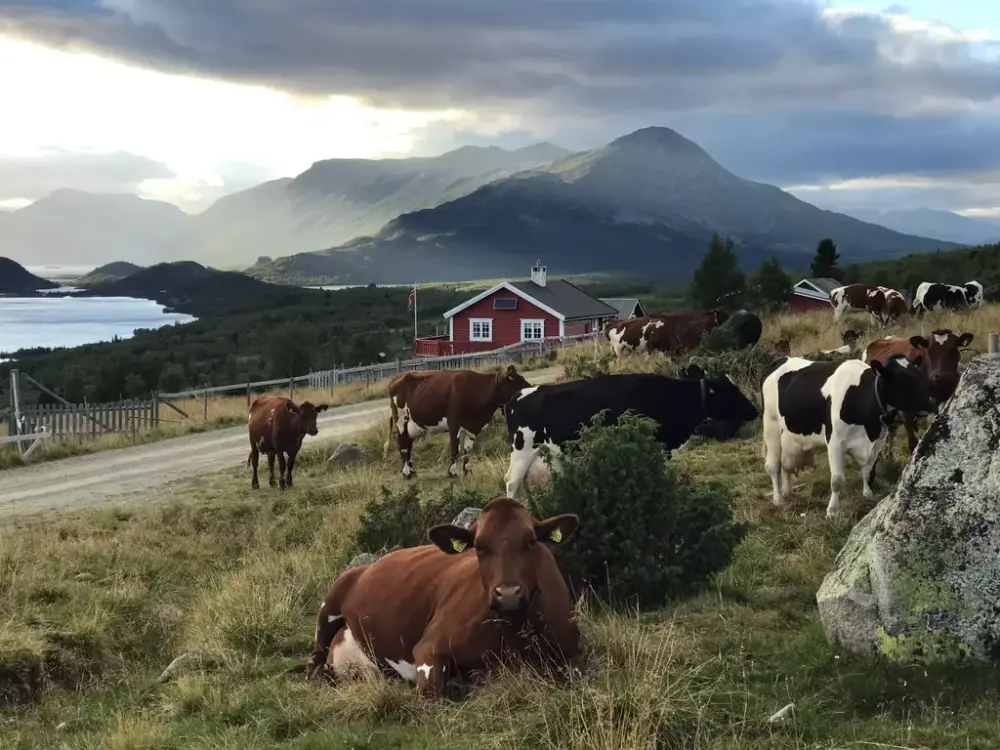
(556, 535)
(458, 545)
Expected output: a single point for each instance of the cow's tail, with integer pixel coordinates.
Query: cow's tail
(250, 458)
(393, 417)
(329, 621)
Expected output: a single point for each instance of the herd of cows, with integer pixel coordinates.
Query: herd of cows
(497, 592)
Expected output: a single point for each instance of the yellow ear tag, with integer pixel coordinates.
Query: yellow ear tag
(458, 546)
(556, 535)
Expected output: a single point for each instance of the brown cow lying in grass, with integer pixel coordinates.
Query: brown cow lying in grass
(472, 599)
(277, 426)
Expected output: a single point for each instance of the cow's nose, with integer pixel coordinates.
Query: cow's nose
(507, 598)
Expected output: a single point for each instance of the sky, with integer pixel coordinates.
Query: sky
(847, 104)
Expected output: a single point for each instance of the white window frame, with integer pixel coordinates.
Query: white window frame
(488, 322)
(530, 322)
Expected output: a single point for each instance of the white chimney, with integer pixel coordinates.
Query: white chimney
(538, 273)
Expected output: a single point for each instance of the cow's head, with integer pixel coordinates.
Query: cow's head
(510, 383)
(902, 384)
(941, 354)
(513, 549)
(722, 399)
(850, 338)
(719, 315)
(973, 294)
(307, 413)
(895, 305)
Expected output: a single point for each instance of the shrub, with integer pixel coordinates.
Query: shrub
(747, 367)
(401, 519)
(586, 365)
(645, 536)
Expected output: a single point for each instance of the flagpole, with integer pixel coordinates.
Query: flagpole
(414, 312)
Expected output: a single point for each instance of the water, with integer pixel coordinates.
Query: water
(72, 321)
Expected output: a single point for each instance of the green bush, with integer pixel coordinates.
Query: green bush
(645, 536)
(747, 367)
(401, 519)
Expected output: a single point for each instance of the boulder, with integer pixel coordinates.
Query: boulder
(466, 517)
(362, 558)
(919, 576)
(348, 454)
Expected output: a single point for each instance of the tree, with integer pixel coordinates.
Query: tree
(824, 264)
(718, 281)
(771, 286)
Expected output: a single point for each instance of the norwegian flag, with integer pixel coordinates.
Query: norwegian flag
(410, 300)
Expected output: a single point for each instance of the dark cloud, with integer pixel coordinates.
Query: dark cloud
(32, 177)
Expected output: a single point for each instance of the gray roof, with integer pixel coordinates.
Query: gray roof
(568, 299)
(824, 285)
(624, 305)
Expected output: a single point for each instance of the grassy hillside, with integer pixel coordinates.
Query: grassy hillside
(98, 603)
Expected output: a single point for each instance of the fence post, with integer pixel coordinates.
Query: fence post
(291, 389)
(994, 347)
(248, 395)
(156, 410)
(16, 398)
(204, 404)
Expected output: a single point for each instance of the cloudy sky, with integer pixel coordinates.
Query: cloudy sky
(848, 103)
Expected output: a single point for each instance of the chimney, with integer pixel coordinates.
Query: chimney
(538, 273)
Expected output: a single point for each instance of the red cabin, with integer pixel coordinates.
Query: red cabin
(812, 294)
(513, 312)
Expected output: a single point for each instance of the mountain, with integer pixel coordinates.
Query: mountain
(15, 279)
(72, 227)
(931, 222)
(113, 271)
(648, 202)
(189, 287)
(336, 200)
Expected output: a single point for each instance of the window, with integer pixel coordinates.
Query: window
(505, 303)
(532, 330)
(480, 329)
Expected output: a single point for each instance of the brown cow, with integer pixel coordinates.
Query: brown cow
(665, 332)
(939, 358)
(882, 303)
(472, 599)
(459, 402)
(850, 339)
(783, 348)
(277, 426)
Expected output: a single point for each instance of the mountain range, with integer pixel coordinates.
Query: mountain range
(647, 201)
(931, 222)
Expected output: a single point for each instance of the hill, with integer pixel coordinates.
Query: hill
(15, 279)
(186, 286)
(336, 200)
(647, 202)
(71, 227)
(113, 271)
(929, 222)
(981, 264)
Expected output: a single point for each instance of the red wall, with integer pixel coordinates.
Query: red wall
(799, 304)
(506, 323)
(578, 327)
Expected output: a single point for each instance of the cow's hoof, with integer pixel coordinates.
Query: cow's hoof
(255, 485)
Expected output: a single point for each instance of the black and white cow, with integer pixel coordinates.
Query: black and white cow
(552, 414)
(720, 430)
(841, 406)
(934, 296)
(746, 328)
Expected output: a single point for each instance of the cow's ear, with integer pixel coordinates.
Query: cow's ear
(919, 342)
(558, 529)
(965, 339)
(322, 407)
(452, 540)
(877, 366)
(511, 372)
(291, 407)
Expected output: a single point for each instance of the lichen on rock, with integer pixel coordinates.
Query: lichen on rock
(919, 576)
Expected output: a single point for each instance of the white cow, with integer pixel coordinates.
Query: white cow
(840, 406)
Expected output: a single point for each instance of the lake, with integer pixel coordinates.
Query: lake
(72, 321)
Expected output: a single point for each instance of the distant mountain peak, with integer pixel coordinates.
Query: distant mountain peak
(658, 137)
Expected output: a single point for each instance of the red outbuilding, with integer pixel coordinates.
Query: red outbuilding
(812, 294)
(513, 312)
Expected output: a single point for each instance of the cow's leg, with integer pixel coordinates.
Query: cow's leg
(270, 469)
(453, 445)
(868, 466)
(404, 441)
(254, 461)
(291, 463)
(835, 454)
(282, 466)
(910, 424)
(468, 443)
(772, 458)
(522, 455)
(431, 663)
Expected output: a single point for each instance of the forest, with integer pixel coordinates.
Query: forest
(290, 331)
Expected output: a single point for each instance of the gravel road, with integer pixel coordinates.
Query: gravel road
(118, 475)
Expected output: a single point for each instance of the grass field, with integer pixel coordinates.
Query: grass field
(97, 604)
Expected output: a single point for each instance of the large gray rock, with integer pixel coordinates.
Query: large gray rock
(919, 576)
(466, 517)
(362, 558)
(348, 454)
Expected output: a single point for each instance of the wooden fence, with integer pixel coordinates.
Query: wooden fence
(87, 420)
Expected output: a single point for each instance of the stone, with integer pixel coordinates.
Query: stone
(466, 517)
(348, 454)
(919, 576)
(362, 558)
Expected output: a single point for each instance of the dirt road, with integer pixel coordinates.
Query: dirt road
(99, 478)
